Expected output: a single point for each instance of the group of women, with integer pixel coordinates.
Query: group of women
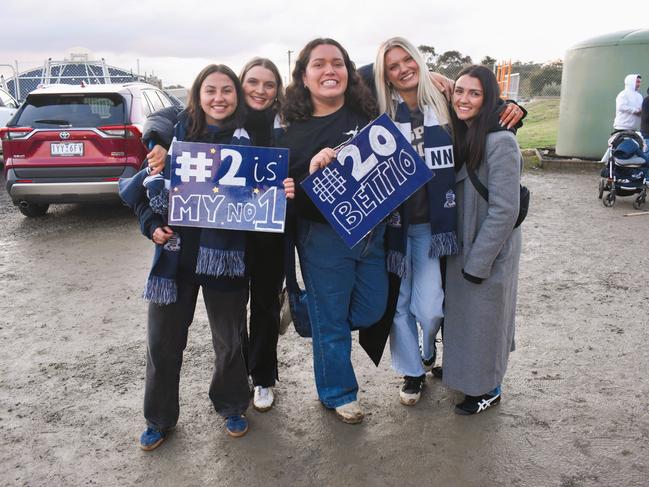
(346, 289)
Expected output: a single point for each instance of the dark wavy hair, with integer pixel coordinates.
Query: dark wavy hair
(196, 125)
(298, 104)
(272, 67)
(470, 140)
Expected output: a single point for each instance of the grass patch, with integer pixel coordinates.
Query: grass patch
(541, 125)
(530, 161)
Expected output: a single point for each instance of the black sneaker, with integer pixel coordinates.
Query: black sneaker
(477, 404)
(429, 365)
(411, 390)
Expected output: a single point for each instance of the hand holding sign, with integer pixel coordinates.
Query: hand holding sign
(322, 159)
(370, 177)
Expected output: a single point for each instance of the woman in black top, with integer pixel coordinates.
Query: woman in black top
(326, 105)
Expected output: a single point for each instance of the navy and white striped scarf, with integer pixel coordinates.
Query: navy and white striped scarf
(221, 252)
(438, 149)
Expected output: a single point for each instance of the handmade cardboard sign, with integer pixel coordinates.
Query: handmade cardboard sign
(228, 186)
(373, 174)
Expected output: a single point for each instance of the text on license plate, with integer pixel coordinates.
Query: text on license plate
(66, 149)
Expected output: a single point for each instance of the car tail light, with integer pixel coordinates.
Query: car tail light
(9, 133)
(128, 131)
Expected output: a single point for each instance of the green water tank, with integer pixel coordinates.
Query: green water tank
(593, 75)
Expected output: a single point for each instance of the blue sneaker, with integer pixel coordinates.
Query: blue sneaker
(152, 438)
(236, 425)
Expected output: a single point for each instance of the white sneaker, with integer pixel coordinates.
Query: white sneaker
(263, 399)
(350, 413)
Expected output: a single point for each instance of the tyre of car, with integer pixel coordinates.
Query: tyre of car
(32, 210)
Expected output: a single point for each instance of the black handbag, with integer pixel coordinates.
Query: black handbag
(484, 192)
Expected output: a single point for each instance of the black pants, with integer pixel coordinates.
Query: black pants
(167, 339)
(266, 251)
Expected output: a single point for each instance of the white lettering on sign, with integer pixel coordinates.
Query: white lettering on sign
(211, 205)
(270, 175)
(382, 142)
(329, 184)
(439, 157)
(229, 177)
(378, 186)
(198, 167)
(185, 206)
(270, 221)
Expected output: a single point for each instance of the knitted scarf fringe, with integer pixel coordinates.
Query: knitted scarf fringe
(396, 263)
(218, 262)
(160, 290)
(443, 244)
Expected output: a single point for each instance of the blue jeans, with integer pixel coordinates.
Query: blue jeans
(347, 290)
(420, 301)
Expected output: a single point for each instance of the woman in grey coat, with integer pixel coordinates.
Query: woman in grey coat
(481, 281)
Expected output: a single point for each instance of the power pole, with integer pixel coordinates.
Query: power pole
(289, 67)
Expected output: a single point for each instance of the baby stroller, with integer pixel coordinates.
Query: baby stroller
(624, 173)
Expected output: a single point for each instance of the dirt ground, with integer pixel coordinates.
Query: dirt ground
(574, 411)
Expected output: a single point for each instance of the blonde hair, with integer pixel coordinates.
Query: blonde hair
(427, 94)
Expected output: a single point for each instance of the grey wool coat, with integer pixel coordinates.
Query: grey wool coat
(479, 318)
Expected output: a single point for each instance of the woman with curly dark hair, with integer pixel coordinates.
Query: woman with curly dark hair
(326, 105)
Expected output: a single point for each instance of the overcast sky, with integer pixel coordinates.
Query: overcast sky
(176, 39)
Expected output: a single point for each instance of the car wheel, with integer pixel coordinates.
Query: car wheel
(32, 209)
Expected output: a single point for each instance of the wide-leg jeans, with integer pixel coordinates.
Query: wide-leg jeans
(167, 331)
(346, 290)
(421, 300)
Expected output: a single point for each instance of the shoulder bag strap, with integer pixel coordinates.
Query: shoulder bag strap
(480, 188)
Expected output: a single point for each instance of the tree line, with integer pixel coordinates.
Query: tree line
(536, 79)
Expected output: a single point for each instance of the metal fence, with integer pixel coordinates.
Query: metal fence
(527, 80)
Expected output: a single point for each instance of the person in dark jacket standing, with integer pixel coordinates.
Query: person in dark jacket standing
(263, 95)
(189, 258)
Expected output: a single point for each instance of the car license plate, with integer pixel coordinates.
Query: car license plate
(66, 149)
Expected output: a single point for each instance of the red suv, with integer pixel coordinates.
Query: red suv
(71, 143)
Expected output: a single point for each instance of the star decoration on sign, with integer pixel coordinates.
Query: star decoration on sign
(215, 189)
(256, 190)
(176, 188)
(212, 150)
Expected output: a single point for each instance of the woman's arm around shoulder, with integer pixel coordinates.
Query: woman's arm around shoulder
(159, 126)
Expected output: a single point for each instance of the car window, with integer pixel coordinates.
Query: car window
(72, 110)
(166, 101)
(156, 103)
(6, 100)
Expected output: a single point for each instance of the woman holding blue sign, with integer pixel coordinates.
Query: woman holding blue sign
(481, 281)
(326, 105)
(189, 258)
(263, 93)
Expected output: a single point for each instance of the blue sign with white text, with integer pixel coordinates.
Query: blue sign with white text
(371, 176)
(228, 186)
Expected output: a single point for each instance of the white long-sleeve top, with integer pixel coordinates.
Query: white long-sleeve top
(628, 105)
